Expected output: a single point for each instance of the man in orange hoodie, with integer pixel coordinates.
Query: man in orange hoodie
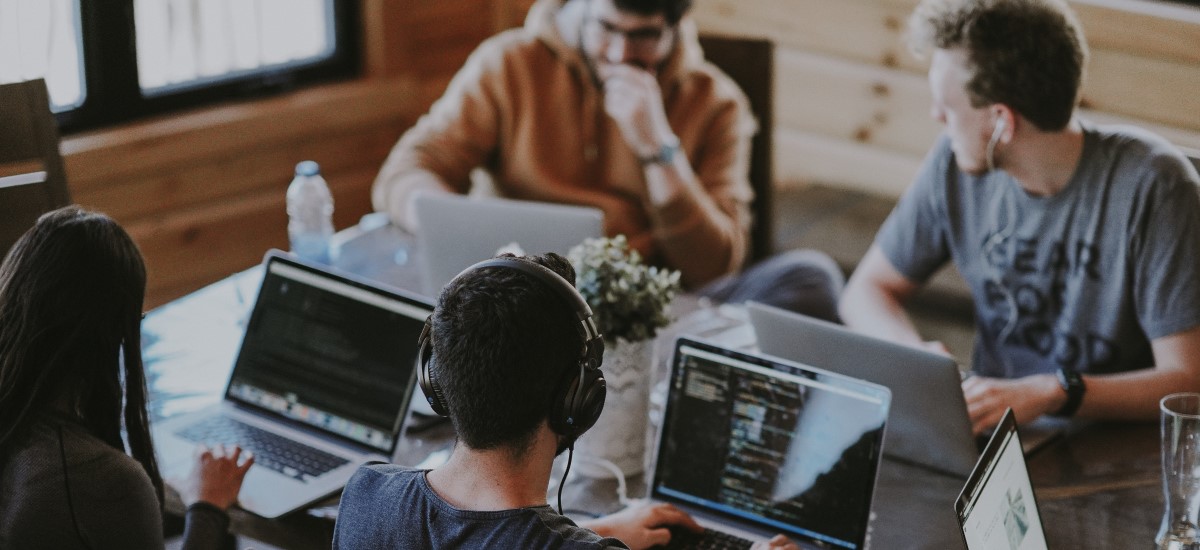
(610, 104)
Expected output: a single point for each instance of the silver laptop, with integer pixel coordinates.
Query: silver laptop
(457, 231)
(754, 446)
(929, 423)
(321, 384)
(997, 508)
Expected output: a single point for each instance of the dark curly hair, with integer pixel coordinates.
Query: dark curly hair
(1027, 54)
(672, 10)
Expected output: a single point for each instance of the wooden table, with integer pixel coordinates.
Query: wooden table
(1098, 489)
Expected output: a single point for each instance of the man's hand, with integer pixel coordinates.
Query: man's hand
(634, 101)
(1029, 397)
(217, 476)
(643, 526)
(778, 541)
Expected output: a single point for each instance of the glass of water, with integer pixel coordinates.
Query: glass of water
(1181, 472)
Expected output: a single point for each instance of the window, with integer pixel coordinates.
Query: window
(41, 39)
(115, 60)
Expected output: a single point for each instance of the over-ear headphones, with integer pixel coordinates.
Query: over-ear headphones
(579, 397)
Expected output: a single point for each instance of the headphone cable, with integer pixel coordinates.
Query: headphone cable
(567, 470)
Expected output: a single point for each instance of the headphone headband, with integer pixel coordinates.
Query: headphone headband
(579, 307)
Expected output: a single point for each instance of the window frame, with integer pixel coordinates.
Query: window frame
(113, 94)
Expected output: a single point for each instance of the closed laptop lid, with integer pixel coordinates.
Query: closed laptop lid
(929, 423)
(456, 231)
(777, 445)
(997, 508)
(330, 353)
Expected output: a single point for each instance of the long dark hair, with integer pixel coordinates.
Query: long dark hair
(71, 294)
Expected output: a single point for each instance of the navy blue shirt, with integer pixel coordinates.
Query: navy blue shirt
(389, 506)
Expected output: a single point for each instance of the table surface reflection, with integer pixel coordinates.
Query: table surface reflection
(1100, 488)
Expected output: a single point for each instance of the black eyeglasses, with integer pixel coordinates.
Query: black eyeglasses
(640, 37)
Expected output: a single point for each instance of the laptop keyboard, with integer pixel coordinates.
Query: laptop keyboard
(271, 451)
(683, 539)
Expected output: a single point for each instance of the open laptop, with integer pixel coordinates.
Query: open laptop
(997, 508)
(753, 446)
(321, 384)
(929, 423)
(456, 231)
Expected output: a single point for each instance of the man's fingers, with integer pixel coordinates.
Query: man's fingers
(658, 537)
(670, 515)
(247, 462)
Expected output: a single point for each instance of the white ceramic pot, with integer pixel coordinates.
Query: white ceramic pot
(619, 436)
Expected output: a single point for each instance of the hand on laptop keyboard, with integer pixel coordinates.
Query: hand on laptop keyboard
(643, 526)
(272, 451)
(711, 539)
(779, 542)
(708, 539)
(217, 476)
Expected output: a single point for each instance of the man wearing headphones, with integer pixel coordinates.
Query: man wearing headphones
(512, 356)
(1080, 243)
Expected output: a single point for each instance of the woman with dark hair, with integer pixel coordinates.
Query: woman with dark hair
(71, 377)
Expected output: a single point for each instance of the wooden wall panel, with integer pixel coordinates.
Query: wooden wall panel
(1153, 89)
(868, 31)
(845, 80)
(1151, 29)
(815, 157)
(853, 101)
(203, 193)
(180, 249)
(228, 175)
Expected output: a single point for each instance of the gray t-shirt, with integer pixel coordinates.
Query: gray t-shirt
(393, 507)
(1083, 279)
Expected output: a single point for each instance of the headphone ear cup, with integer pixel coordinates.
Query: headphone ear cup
(429, 387)
(580, 402)
(590, 400)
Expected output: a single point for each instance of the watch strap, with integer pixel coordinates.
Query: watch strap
(1071, 383)
(665, 154)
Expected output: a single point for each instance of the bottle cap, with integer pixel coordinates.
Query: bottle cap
(307, 168)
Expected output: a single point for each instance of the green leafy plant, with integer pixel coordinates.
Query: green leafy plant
(628, 298)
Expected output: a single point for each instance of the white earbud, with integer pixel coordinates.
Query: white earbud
(1001, 124)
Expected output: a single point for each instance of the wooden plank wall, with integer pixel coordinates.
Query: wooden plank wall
(203, 192)
(852, 104)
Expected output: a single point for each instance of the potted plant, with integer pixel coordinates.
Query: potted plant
(629, 302)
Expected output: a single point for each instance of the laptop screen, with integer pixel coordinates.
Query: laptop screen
(779, 445)
(331, 353)
(997, 508)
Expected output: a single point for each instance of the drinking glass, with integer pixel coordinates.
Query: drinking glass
(1181, 472)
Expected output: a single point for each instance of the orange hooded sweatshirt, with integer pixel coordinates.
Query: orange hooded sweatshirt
(527, 109)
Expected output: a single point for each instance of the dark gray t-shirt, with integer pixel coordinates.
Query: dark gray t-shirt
(389, 506)
(1083, 279)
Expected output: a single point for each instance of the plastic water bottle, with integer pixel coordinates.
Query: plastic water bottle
(310, 213)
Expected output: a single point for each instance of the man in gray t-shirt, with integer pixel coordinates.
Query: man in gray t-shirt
(1080, 243)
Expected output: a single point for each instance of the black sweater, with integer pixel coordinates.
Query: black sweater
(65, 489)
